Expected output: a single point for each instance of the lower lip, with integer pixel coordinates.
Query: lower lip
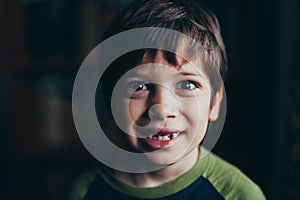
(156, 144)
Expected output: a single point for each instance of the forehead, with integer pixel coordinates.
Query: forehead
(181, 65)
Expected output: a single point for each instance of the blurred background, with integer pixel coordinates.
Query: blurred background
(43, 42)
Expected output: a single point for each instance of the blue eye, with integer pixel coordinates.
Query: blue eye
(138, 86)
(186, 85)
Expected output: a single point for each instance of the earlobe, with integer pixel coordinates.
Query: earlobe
(215, 108)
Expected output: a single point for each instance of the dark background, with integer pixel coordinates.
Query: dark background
(43, 42)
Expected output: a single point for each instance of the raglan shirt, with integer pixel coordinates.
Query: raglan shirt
(210, 178)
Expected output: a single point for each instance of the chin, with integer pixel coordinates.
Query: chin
(163, 160)
(167, 157)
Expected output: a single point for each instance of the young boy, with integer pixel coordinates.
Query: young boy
(162, 108)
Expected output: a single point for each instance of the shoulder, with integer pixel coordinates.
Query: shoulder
(230, 182)
(83, 182)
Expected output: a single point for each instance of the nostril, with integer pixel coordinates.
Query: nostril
(171, 116)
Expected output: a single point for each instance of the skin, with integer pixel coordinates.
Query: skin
(162, 97)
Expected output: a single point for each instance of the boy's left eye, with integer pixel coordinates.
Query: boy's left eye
(186, 85)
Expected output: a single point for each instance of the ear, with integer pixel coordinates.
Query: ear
(216, 104)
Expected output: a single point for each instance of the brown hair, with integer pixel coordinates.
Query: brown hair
(185, 16)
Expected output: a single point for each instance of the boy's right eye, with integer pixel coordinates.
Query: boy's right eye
(137, 86)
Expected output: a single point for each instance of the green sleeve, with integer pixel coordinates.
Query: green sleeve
(81, 185)
(230, 181)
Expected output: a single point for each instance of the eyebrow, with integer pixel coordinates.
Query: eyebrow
(191, 74)
(136, 73)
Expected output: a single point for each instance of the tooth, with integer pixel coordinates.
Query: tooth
(175, 135)
(160, 137)
(166, 137)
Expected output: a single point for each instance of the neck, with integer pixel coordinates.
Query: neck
(159, 177)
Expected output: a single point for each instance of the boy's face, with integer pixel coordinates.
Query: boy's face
(165, 109)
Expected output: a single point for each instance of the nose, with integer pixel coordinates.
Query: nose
(163, 104)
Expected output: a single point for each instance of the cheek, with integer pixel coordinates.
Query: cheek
(135, 109)
(126, 113)
(196, 112)
(196, 109)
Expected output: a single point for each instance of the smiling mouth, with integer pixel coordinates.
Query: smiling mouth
(163, 137)
(160, 140)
